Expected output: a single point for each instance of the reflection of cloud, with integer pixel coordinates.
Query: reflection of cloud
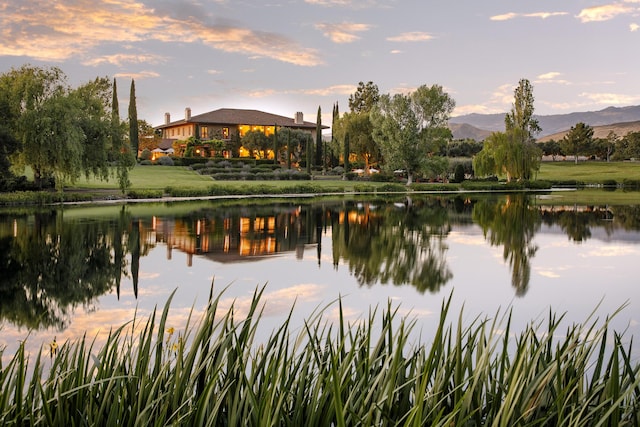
(612, 251)
(60, 30)
(275, 303)
(414, 36)
(148, 275)
(549, 274)
(466, 239)
(343, 32)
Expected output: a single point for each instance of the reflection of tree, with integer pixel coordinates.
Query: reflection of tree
(401, 245)
(53, 266)
(511, 222)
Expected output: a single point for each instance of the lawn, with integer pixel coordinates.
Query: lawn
(589, 172)
(160, 177)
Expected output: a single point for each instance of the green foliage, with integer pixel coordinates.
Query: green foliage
(365, 98)
(257, 143)
(578, 141)
(217, 370)
(521, 116)
(514, 152)
(133, 120)
(409, 129)
(458, 173)
(146, 154)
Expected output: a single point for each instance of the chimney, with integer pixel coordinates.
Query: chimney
(167, 118)
(298, 120)
(187, 114)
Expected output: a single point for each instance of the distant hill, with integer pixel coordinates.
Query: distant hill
(465, 130)
(620, 129)
(552, 124)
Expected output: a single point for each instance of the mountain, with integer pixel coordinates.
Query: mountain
(466, 131)
(619, 129)
(554, 123)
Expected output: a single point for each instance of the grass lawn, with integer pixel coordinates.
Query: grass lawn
(150, 178)
(589, 172)
(160, 177)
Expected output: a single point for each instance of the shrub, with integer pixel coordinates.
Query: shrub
(164, 161)
(458, 174)
(146, 154)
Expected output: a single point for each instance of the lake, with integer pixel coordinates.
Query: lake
(83, 270)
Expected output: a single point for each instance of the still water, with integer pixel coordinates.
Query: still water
(83, 270)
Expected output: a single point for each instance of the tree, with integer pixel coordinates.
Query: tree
(319, 160)
(513, 152)
(122, 151)
(410, 128)
(551, 148)
(360, 129)
(578, 140)
(133, 120)
(521, 115)
(257, 141)
(365, 98)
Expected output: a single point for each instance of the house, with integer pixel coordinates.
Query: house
(228, 125)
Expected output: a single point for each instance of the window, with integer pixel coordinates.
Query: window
(204, 132)
(225, 133)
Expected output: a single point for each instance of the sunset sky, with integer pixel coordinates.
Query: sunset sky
(283, 56)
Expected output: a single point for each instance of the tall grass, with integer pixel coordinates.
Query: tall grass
(217, 372)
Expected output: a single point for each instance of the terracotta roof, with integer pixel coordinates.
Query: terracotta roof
(233, 116)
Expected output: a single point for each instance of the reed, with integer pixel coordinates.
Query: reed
(371, 372)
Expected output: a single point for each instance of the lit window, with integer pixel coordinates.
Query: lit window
(225, 133)
(204, 132)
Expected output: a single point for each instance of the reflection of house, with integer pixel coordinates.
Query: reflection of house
(228, 125)
(235, 238)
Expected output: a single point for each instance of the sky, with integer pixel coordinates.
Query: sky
(284, 56)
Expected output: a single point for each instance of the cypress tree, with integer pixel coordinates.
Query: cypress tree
(319, 159)
(133, 120)
(275, 144)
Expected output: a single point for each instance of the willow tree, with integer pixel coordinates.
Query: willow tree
(514, 152)
(505, 154)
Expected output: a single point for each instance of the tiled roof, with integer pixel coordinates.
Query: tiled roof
(233, 116)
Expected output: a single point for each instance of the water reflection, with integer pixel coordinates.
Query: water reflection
(58, 260)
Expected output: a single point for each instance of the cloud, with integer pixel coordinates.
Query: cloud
(354, 4)
(551, 77)
(327, 91)
(139, 75)
(121, 59)
(605, 12)
(611, 98)
(633, 27)
(414, 36)
(512, 15)
(58, 30)
(344, 32)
